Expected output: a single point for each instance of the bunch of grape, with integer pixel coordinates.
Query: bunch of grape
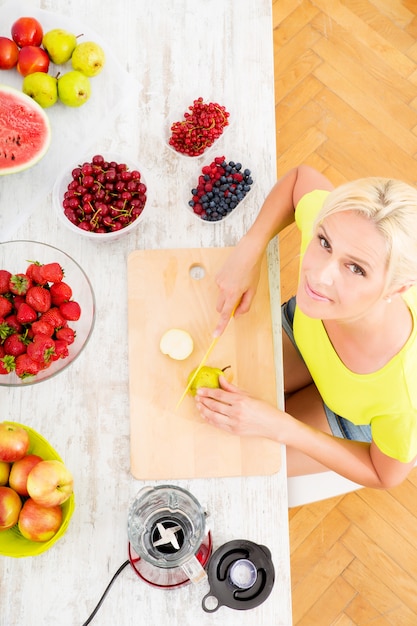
(199, 129)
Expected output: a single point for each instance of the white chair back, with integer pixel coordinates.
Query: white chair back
(315, 487)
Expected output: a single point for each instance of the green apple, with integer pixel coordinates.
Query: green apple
(59, 44)
(206, 377)
(74, 89)
(42, 88)
(176, 343)
(88, 58)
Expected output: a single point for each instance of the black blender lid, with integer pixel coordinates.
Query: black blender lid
(224, 589)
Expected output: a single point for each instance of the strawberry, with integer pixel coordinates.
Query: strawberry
(61, 350)
(70, 310)
(34, 272)
(5, 306)
(60, 292)
(17, 301)
(43, 327)
(41, 349)
(15, 345)
(25, 366)
(67, 334)
(15, 326)
(5, 331)
(4, 281)
(52, 272)
(39, 298)
(54, 317)
(19, 284)
(26, 314)
(7, 364)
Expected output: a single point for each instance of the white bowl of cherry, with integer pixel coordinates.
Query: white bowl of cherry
(101, 197)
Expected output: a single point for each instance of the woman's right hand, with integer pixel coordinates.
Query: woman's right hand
(237, 282)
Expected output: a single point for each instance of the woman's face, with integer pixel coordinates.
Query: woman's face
(343, 273)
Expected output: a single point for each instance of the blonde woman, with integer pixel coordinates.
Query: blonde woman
(350, 340)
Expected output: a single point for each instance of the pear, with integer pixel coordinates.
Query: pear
(88, 58)
(206, 377)
(59, 44)
(74, 89)
(43, 88)
(177, 344)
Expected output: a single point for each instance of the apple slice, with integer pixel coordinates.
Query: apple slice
(177, 344)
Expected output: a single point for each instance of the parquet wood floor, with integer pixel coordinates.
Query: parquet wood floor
(346, 103)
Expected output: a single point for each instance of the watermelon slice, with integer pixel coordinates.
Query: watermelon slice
(25, 132)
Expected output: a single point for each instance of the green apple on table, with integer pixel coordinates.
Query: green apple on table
(88, 58)
(43, 88)
(74, 88)
(206, 377)
(59, 44)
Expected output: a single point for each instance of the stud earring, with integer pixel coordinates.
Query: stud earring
(388, 299)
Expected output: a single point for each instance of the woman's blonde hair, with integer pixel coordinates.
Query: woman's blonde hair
(392, 206)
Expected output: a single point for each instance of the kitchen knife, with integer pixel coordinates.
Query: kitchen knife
(203, 360)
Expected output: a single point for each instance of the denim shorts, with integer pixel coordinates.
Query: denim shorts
(339, 426)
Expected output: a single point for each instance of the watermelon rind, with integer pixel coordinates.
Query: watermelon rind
(25, 131)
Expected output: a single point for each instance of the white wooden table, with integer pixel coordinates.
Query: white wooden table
(174, 52)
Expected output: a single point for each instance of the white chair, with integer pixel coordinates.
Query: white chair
(314, 487)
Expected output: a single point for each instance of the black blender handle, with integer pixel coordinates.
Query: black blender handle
(209, 596)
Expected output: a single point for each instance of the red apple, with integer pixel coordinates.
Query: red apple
(32, 59)
(27, 31)
(20, 471)
(4, 472)
(10, 505)
(39, 523)
(50, 483)
(14, 442)
(8, 53)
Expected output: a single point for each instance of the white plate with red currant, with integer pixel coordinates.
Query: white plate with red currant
(194, 131)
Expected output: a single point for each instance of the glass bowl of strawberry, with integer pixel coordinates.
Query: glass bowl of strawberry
(47, 312)
(101, 197)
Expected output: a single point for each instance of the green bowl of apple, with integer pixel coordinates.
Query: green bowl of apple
(12, 542)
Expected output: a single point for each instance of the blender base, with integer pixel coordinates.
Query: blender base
(167, 578)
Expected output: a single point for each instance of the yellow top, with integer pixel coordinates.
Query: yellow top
(385, 399)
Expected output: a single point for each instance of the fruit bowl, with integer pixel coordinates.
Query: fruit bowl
(15, 257)
(177, 117)
(12, 542)
(228, 196)
(99, 212)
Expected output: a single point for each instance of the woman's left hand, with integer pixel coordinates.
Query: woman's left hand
(237, 412)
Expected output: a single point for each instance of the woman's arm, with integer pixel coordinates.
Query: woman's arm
(235, 411)
(238, 279)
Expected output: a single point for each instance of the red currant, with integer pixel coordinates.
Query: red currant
(199, 129)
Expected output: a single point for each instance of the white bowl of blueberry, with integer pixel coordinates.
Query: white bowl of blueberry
(219, 189)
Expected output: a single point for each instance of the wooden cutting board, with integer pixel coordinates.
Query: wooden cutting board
(176, 289)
